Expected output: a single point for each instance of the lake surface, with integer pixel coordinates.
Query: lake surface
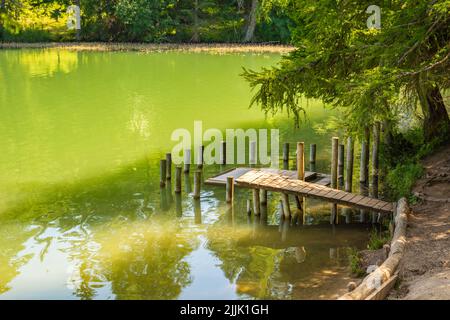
(82, 215)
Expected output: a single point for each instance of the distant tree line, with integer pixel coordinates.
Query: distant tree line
(148, 20)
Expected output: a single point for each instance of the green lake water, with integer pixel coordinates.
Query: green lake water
(82, 215)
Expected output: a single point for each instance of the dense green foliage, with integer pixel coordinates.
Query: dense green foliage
(372, 74)
(144, 20)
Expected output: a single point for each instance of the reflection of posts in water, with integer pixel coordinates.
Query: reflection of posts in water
(285, 223)
(348, 215)
(263, 216)
(229, 213)
(169, 194)
(300, 254)
(163, 199)
(178, 208)
(197, 211)
(333, 253)
(263, 197)
(229, 189)
(197, 184)
(187, 183)
(178, 179)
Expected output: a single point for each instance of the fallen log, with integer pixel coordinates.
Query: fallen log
(383, 273)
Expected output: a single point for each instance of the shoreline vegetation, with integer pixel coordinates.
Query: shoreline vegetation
(218, 48)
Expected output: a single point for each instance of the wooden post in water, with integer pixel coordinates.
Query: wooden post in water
(230, 189)
(197, 184)
(349, 175)
(249, 207)
(301, 160)
(263, 197)
(349, 163)
(162, 171)
(286, 156)
(375, 159)
(341, 151)
(169, 166)
(177, 179)
(312, 157)
(334, 162)
(367, 156)
(223, 153)
(187, 160)
(256, 208)
(363, 190)
(200, 151)
(285, 206)
(334, 176)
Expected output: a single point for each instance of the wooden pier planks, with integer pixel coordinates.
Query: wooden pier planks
(279, 182)
(221, 178)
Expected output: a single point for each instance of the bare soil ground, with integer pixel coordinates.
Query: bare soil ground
(425, 268)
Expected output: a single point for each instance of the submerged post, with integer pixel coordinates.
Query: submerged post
(223, 153)
(162, 171)
(286, 156)
(349, 163)
(187, 160)
(301, 160)
(230, 189)
(312, 157)
(200, 152)
(263, 197)
(169, 166)
(285, 205)
(341, 166)
(197, 184)
(177, 179)
(256, 207)
(375, 159)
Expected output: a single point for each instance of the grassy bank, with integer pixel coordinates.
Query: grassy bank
(221, 48)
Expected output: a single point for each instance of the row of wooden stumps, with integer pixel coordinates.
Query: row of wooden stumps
(344, 181)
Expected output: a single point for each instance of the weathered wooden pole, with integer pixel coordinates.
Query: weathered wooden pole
(187, 160)
(334, 162)
(169, 166)
(349, 175)
(334, 175)
(367, 157)
(285, 205)
(341, 151)
(349, 163)
(223, 153)
(312, 157)
(230, 189)
(162, 171)
(252, 153)
(197, 184)
(178, 207)
(363, 172)
(286, 156)
(178, 179)
(200, 152)
(301, 160)
(187, 183)
(375, 159)
(263, 197)
(256, 208)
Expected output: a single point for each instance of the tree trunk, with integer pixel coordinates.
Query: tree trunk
(436, 123)
(2, 10)
(251, 22)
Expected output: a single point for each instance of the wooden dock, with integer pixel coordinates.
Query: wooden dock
(276, 181)
(236, 173)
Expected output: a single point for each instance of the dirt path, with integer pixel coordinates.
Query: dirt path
(425, 268)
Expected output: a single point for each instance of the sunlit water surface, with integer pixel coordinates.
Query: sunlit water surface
(81, 211)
